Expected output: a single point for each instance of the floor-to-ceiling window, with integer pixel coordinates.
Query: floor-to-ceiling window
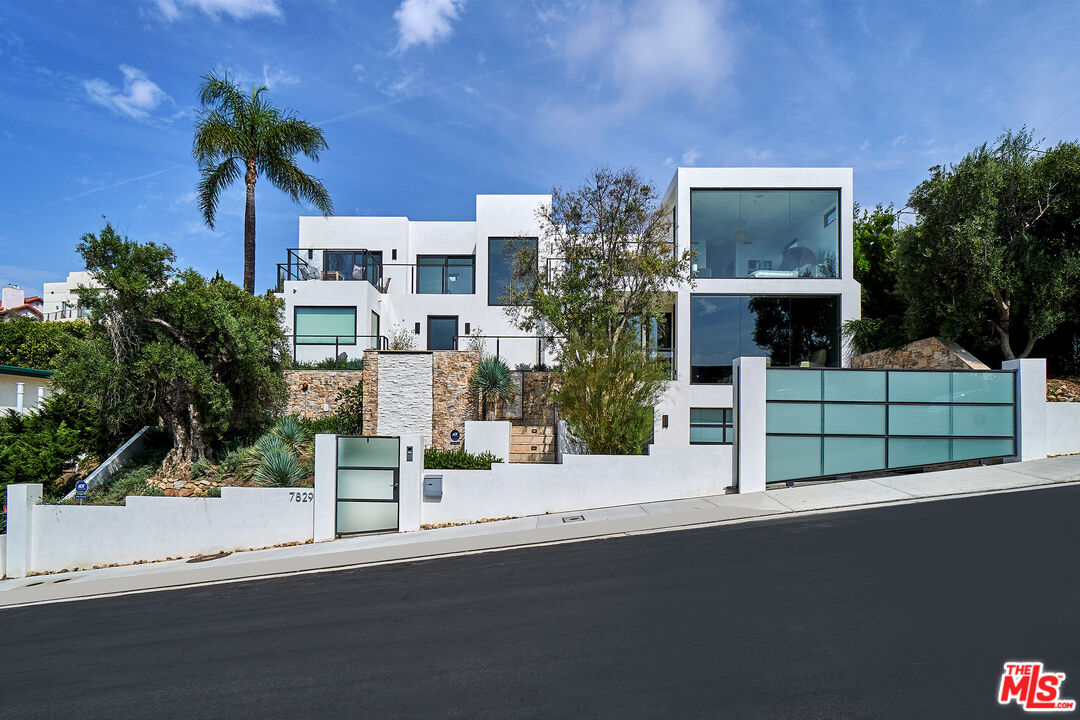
(502, 254)
(789, 331)
(765, 233)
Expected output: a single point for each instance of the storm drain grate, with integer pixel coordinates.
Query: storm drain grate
(574, 518)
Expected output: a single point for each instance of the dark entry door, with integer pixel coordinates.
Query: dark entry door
(442, 332)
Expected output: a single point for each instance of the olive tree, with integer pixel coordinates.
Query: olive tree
(610, 270)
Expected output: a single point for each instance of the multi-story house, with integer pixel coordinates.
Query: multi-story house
(772, 276)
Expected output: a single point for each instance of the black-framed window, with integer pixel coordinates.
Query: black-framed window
(711, 426)
(502, 253)
(789, 330)
(442, 332)
(353, 264)
(765, 233)
(445, 274)
(324, 325)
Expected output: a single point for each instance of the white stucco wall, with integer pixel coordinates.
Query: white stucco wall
(156, 528)
(581, 482)
(405, 402)
(491, 436)
(22, 393)
(1062, 428)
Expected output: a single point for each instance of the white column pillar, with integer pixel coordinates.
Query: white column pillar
(748, 413)
(40, 395)
(21, 500)
(410, 482)
(325, 488)
(1030, 406)
(19, 391)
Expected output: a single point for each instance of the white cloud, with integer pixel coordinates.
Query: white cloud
(426, 21)
(654, 48)
(137, 99)
(865, 146)
(669, 162)
(237, 9)
(359, 70)
(690, 157)
(759, 156)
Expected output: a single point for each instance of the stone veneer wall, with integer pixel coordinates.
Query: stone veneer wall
(452, 402)
(536, 404)
(404, 394)
(322, 387)
(371, 393)
(929, 353)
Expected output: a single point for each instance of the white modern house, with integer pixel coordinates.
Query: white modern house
(772, 277)
(61, 300)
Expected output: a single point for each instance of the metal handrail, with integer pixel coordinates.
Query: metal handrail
(499, 338)
(381, 342)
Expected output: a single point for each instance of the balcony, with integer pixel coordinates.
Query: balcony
(332, 264)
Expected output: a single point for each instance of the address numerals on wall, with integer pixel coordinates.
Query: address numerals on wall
(301, 497)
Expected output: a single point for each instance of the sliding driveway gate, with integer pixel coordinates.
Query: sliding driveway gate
(367, 484)
(822, 422)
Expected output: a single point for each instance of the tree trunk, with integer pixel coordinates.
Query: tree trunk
(249, 232)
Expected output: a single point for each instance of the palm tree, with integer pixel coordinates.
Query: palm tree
(492, 377)
(237, 133)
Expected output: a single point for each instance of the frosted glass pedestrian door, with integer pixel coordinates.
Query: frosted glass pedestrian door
(367, 484)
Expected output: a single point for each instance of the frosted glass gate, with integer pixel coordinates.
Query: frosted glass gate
(367, 484)
(821, 422)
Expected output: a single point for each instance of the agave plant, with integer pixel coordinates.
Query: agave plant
(291, 433)
(492, 379)
(278, 467)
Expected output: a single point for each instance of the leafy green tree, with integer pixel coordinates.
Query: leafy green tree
(611, 271)
(199, 357)
(994, 250)
(29, 343)
(874, 249)
(243, 134)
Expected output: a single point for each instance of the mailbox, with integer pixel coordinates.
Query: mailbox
(433, 486)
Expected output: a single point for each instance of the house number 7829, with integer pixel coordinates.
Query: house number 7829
(301, 497)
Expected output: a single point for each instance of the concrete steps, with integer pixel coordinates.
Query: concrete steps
(532, 444)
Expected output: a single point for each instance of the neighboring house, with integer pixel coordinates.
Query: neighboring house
(22, 389)
(14, 304)
(61, 302)
(772, 276)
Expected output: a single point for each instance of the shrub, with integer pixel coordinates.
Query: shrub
(200, 468)
(278, 467)
(330, 364)
(435, 459)
(35, 344)
(214, 492)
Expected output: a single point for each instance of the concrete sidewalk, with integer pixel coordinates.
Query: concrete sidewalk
(543, 529)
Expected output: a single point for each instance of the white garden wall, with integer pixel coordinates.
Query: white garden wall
(155, 528)
(580, 482)
(1062, 428)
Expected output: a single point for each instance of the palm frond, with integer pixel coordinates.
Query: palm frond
(214, 181)
(287, 176)
(492, 377)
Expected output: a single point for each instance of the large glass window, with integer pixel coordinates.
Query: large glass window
(765, 233)
(502, 253)
(710, 426)
(352, 265)
(789, 331)
(445, 274)
(325, 325)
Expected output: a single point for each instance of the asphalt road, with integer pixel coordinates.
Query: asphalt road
(899, 612)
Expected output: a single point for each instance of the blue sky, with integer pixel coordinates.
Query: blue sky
(426, 103)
